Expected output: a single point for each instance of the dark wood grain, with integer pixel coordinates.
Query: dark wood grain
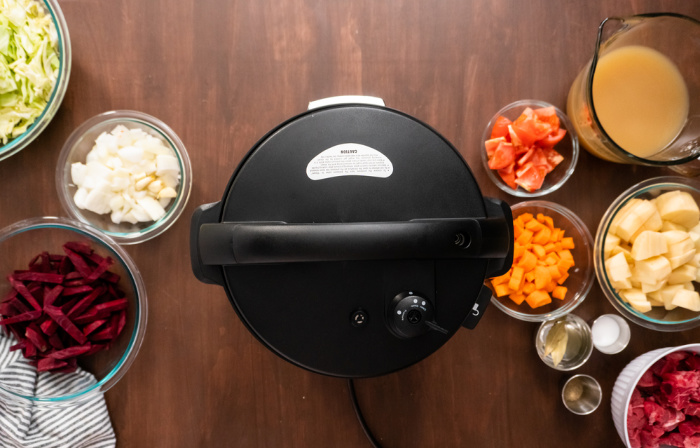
(221, 74)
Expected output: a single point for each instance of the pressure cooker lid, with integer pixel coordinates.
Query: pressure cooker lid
(353, 241)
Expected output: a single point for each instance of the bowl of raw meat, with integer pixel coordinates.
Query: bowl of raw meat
(656, 399)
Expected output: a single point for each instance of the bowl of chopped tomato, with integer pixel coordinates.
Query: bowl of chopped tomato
(552, 269)
(529, 148)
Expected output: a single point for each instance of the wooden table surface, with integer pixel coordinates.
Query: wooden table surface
(223, 73)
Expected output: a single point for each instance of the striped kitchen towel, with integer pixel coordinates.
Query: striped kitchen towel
(85, 425)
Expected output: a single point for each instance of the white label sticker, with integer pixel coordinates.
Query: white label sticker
(349, 159)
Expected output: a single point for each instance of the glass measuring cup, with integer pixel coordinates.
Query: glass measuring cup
(671, 44)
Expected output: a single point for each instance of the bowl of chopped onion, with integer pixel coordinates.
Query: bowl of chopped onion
(126, 173)
(37, 50)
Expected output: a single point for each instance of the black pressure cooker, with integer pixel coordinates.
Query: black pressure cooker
(353, 240)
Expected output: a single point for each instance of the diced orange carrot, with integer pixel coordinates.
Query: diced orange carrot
(542, 237)
(549, 222)
(528, 288)
(551, 259)
(525, 217)
(549, 247)
(530, 276)
(567, 243)
(554, 272)
(539, 250)
(502, 290)
(525, 237)
(528, 261)
(559, 292)
(537, 299)
(517, 230)
(501, 279)
(565, 254)
(550, 286)
(518, 251)
(534, 225)
(542, 277)
(518, 298)
(563, 278)
(564, 265)
(516, 278)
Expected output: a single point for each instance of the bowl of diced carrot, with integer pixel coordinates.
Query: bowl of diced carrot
(552, 269)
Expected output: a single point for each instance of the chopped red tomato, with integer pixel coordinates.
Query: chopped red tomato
(508, 177)
(523, 150)
(500, 128)
(503, 156)
(548, 115)
(531, 178)
(553, 157)
(492, 144)
(552, 139)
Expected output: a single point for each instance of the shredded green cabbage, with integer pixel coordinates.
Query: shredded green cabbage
(28, 64)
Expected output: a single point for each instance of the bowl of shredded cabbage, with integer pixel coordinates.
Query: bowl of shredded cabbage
(34, 69)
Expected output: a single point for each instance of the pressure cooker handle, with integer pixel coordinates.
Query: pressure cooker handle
(242, 243)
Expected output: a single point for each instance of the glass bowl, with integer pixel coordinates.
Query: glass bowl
(19, 243)
(658, 318)
(578, 348)
(580, 278)
(82, 140)
(568, 148)
(59, 90)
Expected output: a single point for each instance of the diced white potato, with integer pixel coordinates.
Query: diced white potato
(649, 244)
(617, 268)
(611, 241)
(678, 207)
(654, 269)
(621, 214)
(637, 299)
(689, 300)
(683, 274)
(647, 288)
(634, 219)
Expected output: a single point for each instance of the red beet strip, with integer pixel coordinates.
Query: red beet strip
(24, 292)
(65, 323)
(76, 290)
(85, 302)
(34, 335)
(92, 326)
(24, 317)
(46, 364)
(52, 295)
(78, 262)
(71, 352)
(44, 277)
(78, 247)
(101, 268)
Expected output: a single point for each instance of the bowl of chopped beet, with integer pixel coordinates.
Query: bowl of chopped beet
(529, 148)
(656, 399)
(72, 305)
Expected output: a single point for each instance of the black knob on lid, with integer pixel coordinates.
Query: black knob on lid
(411, 315)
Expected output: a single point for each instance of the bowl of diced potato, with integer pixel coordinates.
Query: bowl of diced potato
(647, 254)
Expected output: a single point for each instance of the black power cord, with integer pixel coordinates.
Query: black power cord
(360, 418)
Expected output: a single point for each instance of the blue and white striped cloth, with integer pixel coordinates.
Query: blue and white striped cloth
(85, 425)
